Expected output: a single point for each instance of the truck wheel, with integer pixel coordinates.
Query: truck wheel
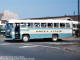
(25, 38)
(54, 37)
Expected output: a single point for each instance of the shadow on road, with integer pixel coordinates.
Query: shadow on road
(31, 40)
(40, 40)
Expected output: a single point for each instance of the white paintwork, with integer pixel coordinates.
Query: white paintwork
(39, 21)
(75, 22)
(49, 31)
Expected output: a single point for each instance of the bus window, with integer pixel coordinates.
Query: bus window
(23, 25)
(74, 25)
(56, 25)
(37, 25)
(50, 25)
(62, 25)
(9, 26)
(67, 25)
(43, 25)
(30, 25)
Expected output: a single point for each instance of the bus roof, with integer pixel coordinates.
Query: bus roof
(75, 22)
(38, 21)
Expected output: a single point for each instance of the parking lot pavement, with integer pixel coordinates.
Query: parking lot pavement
(41, 49)
(73, 49)
(72, 38)
(70, 45)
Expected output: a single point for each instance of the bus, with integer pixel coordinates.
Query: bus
(37, 29)
(2, 29)
(76, 30)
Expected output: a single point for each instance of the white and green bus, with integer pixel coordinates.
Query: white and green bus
(35, 29)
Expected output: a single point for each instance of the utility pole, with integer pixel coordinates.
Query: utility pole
(79, 10)
(79, 18)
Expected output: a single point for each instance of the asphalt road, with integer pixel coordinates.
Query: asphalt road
(40, 49)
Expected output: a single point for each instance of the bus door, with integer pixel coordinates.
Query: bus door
(17, 31)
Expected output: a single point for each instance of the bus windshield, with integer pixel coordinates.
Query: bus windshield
(9, 26)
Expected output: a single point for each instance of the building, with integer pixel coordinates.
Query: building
(9, 15)
(75, 18)
(6, 15)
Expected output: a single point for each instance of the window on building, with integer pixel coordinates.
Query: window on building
(43, 25)
(62, 25)
(37, 25)
(50, 25)
(56, 25)
(67, 25)
(69, 19)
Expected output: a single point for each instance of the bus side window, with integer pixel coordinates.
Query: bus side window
(67, 25)
(23, 25)
(50, 25)
(30, 25)
(56, 25)
(62, 25)
(37, 25)
(43, 25)
(74, 25)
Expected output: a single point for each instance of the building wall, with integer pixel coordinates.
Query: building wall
(6, 15)
(9, 15)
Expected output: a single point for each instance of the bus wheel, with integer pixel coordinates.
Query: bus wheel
(55, 37)
(25, 38)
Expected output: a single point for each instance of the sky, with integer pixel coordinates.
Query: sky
(39, 8)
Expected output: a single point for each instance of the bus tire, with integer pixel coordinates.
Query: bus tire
(25, 38)
(55, 37)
